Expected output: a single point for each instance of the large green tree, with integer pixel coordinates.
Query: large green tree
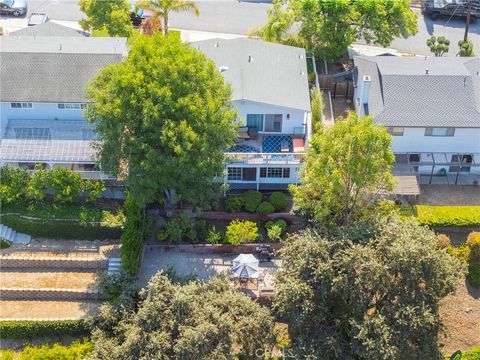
(328, 27)
(348, 165)
(112, 16)
(162, 8)
(192, 321)
(379, 300)
(165, 117)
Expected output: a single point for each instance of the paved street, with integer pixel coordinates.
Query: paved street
(237, 17)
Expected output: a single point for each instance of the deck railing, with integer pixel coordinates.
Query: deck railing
(265, 158)
(98, 175)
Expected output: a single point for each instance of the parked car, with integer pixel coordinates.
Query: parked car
(37, 19)
(449, 8)
(138, 16)
(13, 7)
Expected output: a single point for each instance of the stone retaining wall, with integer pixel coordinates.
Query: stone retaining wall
(48, 294)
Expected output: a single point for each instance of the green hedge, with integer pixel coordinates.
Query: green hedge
(439, 216)
(51, 229)
(33, 329)
(75, 351)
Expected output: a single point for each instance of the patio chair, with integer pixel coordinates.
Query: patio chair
(284, 146)
(243, 133)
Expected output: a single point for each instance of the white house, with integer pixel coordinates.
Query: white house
(42, 96)
(430, 105)
(270, 90)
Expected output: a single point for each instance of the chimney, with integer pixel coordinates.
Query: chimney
(365, 90)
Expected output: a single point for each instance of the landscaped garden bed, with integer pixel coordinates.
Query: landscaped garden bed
(444, 216)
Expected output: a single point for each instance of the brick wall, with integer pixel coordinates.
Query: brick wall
(211, 249)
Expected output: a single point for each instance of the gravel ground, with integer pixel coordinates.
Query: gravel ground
(460, 315)
(47, 279)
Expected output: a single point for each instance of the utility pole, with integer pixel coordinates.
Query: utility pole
(467, 21)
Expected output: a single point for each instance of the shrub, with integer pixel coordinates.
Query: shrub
(448, 215)
(234, 203)
(75, 351)
(214, 236)
(178, 228)
(265, 208)
(473, 275)
(4, 244)
(66, 184)
(241, 231)
(131, 238)
(279, 200)
(252, 199)
(473, 243)
(13, 184)
(443, 241)
(200, 230)
(33, 329)
(68, 230)
(274, 233)
(93, 189)
(39, 184)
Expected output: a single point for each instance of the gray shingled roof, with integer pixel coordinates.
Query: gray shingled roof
(277, 74)
(55, 75)
(49, 28)
(403, 94)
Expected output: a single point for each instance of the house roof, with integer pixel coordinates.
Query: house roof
(276, 74)
(53, 73)
(48, 28)
(423, 91)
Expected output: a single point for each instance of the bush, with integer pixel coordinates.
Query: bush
(75, 351)
(252, 199)
(241, 231)
(214, 236)
(279, 200)
(66, 184)
(274, 233)
(68, 230)
(234, 203)
(13, 184)
(280, 222)
(437, 216)
(4, 244)
(443, 241)
(473, 275)
(132, 241)
(177, 229)
(93, 189)
(265, 208)
(473, 243)
(33, 329)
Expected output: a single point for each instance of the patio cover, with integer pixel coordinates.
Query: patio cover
(245, 266)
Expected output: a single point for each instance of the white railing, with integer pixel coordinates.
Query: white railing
(98, 175)
(264, 158)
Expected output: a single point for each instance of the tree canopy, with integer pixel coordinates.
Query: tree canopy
(327, 28)
(347, 165)
(466, 48)
(165, 117)
(377, 300)
(162, 9)
(438, 45)
(111, 15)
(192, 321)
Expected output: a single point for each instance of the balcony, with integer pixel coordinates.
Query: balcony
(252, 158)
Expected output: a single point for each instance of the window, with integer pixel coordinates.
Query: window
(234, 173)
(432, 131)
(249, 174)
(395, 131)
(275, 172)
(255, 121)
(71, 106)
(273, 122)
(21, 105)
(33, 133)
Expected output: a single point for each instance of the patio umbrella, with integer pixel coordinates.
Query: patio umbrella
(245, 266)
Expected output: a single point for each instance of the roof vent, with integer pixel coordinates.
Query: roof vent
(300, 56)
(302, 72)
(427, 71)
(223, 68)
(250, 59)
(216, 44)
(60, 47)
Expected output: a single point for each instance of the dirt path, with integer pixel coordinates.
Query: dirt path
(50, 310)
(460, 315)
(46, 279)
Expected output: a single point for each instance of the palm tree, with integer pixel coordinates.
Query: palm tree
(162, 8)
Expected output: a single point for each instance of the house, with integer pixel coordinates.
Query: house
(270, 90)
(42, 96)
(431, 107)
(48, 28)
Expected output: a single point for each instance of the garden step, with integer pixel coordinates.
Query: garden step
(114, 265)
(11, 235)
